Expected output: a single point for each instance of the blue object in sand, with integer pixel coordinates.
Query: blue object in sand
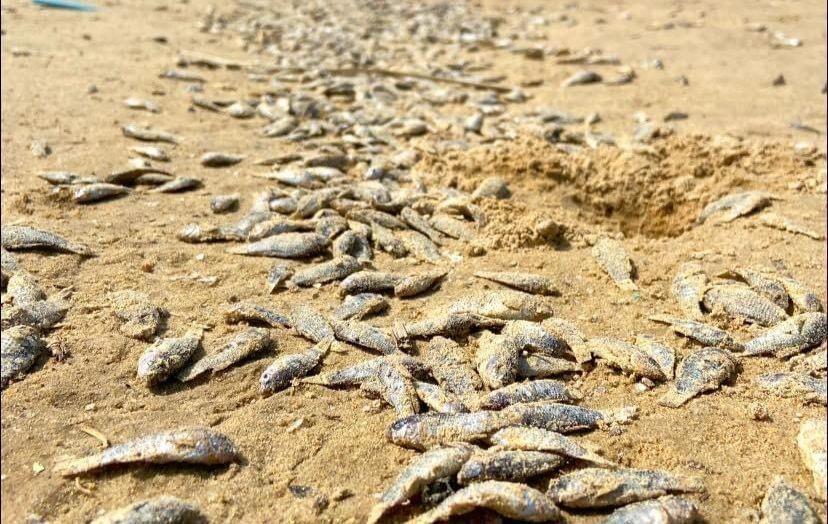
(65, 4)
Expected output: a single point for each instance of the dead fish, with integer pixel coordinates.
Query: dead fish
(148, 135)
(797, 385)
(811, 441)
(329, 226)
(612, 258)
(537, 439)
(701, 371)
(396, 386)
(364, 335)
(785, 504)
(421, 471)
(563, 418)
(742, 302)
(385, 240)
(166, 356)
(197, 234)
(187, 446)
(146, 105)
(360, 306)
(452, 227)
(140, 319)
(438, 400)
(663, 510)
(543, 366)
(663, 356)
(505, 305)
(131, 175)
(367, 369)
(353, 244)
(451, 367)
(184, 76)
(369, 282)
(277, 226)
(599, 487)
(730, 207)
(163, 509)
(219, 159)
(297, 177)
(775, 221)
(413, 285)
(285, 245)
(29, 305)
(582, 77)
(310, 324)
(688, 288)
(151, 152)
(420, 246)
(627, 357)
(285, 369)
(89, 193)
(255, 314)
(449, 325)
(241, 110)
(815, 364)
(509, 465)
(496, 360)
(491, 187)
(532, 391)
(224, 203)
(280, 127)
(425, 430)
(703, 333)
(177, 185)
(19, 238)
(798, 333)
(373, 217)
(277, 276)
(534, 284)
(334, 269)
(512, 500)
(65, 178)
(765, 285)
(567, 331)
(803, 298)
(420, 224)
(21, 348)
(246, 343)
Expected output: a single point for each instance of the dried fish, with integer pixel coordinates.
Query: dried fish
(151, 152)
(396, 386)
(785, 504)
(285, 245)
(364, 335)
(505, 305)
(285, 369)
(798, 333)
(367, 370)
(255, 314)
(184, 76)
(246, 343)
(420, 246)
(688, 289)
(730, 207)
(146, 105)
(148, 135)
(386, 241)
(701, 371)
(532, 391)
(65, 178)
(542, 366)
(612, 258)
(703, 333)
(360, 306)
(663, 510)
(742, 302)
(512, 500)
(178, 184)
(567, 331)
(188, 446)
(195, 233)
(598, 487)
(534, 284)
(224, 203)
(510, 465)
(811, 441)
(163, 509)
(131, 175)
(663, 356)
(763, 284)
(419, 473)
(219, 159)
(786, 224)
(426, 430)
(496, 360)
(420, 223)
(627, 357)
(21, 349)
(452, 227)
(537, 439)
(450, 325)
(334, 269)
(451, 367)
(582, 77)
(241, 110)
(166, 356)
(438, 400)
(563, 418)
(89, 193)
(19, 238)
(803, 298)
(788, 384)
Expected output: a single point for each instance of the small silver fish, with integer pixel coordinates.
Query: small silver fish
(426, 430)
(360, 306)
(18, 238)
(798, 333)
(21, 347)
(420, 246)
(598, 487)
(543, 366)
(364, 335)
(187, 446)
(328, 271)
(742, 302)
(146, 105)
(148, 135)
(505, 305)
(151, 152)
(286, 245)
(763, 283)
(420, 224)
(664, 356)
(285, 369)
(310, 324)
(803, 298)
(255, 314)
(438, 400)
(775, 221)
(703, 333)
(163, 509)
(701, 371)
(688, 288)
(177, 185)
(797, 385)
(224, 203)
(663, 510)
(496, 360)
(90, 193)
(241, 346)
(219, 159)
(385, 240)
(811, 440)
(563, 418)
(567, 331)
(612, 258)
(508, 465)
(421, 471)
(730, 207)
(395, 385)
(528, 282)
(166, 356)
(450, 325)
(531, 391)
(197, 234)
(131, 175)
(65, 178)
(451, 367)
(582, 77)
(354, 244)
(452, 227)
(512, 500)
(537, 439)
(627, 357)
(367, 369)
(785, 504)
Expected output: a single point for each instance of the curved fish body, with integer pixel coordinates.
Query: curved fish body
(166, 356)
(664, 510)
(255, 314)
(688, 289)
(286, 368)
(730, 207)
(286, 245)
(703, 333)
(742, 302)
(526, 282)
(496, 360)
(159, 510)
(246, 343)
(512, 500)
(569, 333)
(364, 335)
(537, 439)
(523, 392)
(18, 238)
(360, 306)
(334, 269)
(21, 347)
(310, 324)
(509, 465)
(764, 284)
(450, 325)
(451, 367)
(504, 305)
(701, 371)
(798, 333)
(627, 357)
